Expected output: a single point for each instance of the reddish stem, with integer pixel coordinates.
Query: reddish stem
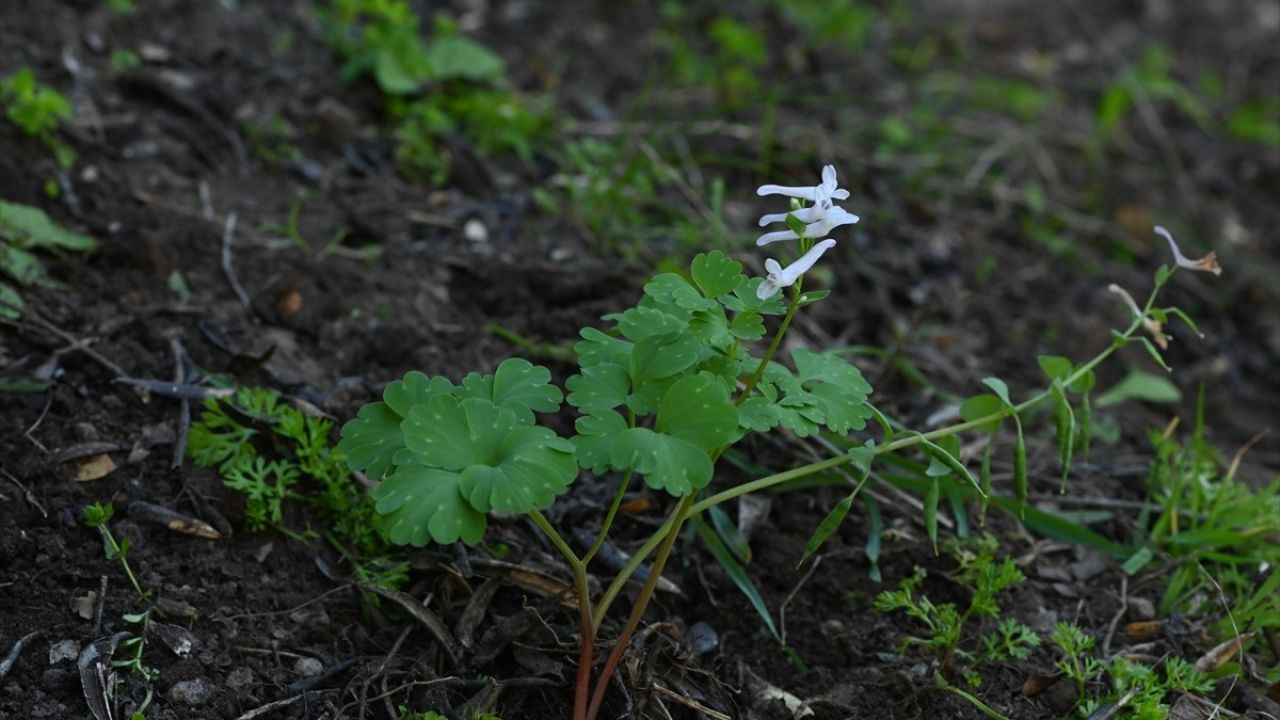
(637, 612)
(583, 690)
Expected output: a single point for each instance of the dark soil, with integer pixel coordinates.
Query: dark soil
(164, 162)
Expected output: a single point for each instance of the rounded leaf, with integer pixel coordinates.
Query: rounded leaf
(422, 504)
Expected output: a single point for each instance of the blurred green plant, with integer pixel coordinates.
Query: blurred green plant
(263, 447)
(437, 91)
(1151, 76)
(1257, 121)
(1222, 535)
(24, 229)
(37, 110)
(985, 578)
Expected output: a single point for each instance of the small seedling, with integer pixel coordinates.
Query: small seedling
(37, 110)
(263, 448)
(945, 624)
(96, 516)
(1138, 692)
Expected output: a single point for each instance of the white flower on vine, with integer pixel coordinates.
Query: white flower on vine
(1208, 263)
(827, 189)
(1153, 326)
(779, 277)
(819, 221)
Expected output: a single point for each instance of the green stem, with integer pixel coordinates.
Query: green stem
(620, 580)
(110, 540)
(637, 611)
(981, 706)
(608, 518)
(777, 341)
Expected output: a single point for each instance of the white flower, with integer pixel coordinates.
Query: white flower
(1153, 326)
(780, 277)
(825, 221)
(1208, 263)
(827, 188)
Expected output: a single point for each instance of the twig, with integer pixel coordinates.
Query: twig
(48, 404)
(9, 660)
(228, 232)
(74, 344)
(102, 605)
(1115, 621)
(26, 493)
(184, 405)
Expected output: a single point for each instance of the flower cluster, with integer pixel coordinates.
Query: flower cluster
(817, 220)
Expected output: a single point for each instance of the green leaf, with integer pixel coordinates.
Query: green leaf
(716, 274)
(598, 388)
(596, 347)
(795, 224)
(1000, 388)
(931, 512)
(747, 325)
(1139, 385)
(730, 534)
(861, 456)
(22, 266)
(759, 414)
(874, 530)
(829, 525)
(371, 439)
(29, 227)
(830, 391)
(639, 323)
(711, 327)
(1138, 560)
(594, 441)
(421, 504)
(982, 406)
(672, 289)
(695, 417)
(697, 409)
(517, 385)
(667, 463)
(745, 298)
(414, 389)
(10, 302)
(662, 356)
(1055, 367)
(736, 573)
(453, 57)
(1154, 353)
(504, 465)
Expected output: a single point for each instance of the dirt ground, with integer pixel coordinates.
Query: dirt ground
(950, 279)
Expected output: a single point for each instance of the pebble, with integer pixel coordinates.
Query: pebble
(191, 692)
(240, 678)
(63, 650)
(308, 667)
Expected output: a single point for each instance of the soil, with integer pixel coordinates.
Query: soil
(950, 279)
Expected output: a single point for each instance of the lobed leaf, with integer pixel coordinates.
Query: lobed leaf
(598, 388)
(517, 385)
(421, 504)
(716, 274)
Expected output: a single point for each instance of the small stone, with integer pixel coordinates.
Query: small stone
(475, 231)
(308, 667)
(240, 679)
(63, 650)
(1142, 608)
(191, 692)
